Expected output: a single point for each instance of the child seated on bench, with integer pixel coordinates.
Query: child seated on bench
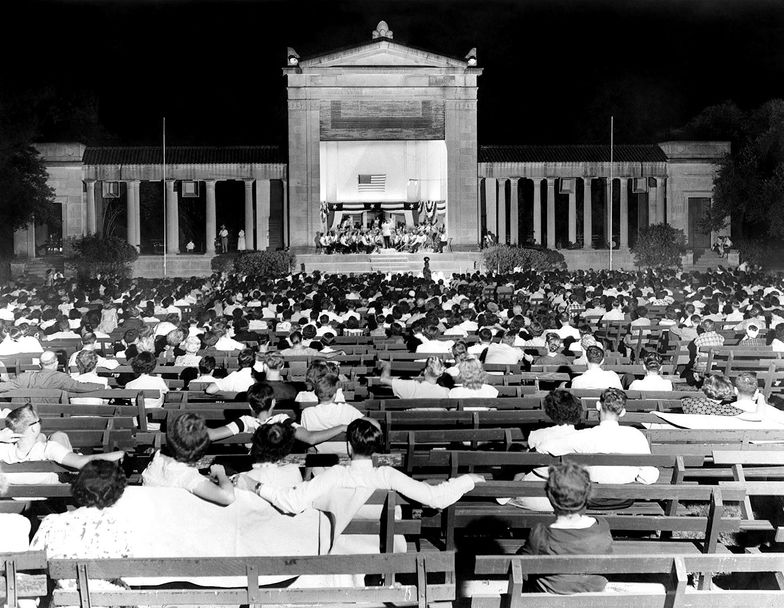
(271, 443)
(568, 489)
(187, 441)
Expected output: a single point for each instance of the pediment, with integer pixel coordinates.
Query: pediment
(381, 53)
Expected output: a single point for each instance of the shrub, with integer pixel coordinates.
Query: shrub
(106, 255)
(505, 258)
(659, 246)
(266, 263)
(223, 262)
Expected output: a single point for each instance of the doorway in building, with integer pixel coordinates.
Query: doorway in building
(699, 240)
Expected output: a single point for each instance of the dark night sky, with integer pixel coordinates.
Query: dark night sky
(554, 69)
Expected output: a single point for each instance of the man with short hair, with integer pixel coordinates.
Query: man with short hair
(285, 392)
(608, 437)
(707, 336)
(653, 380)
(595, 377)
(504, 353)
(49, 377)
(752, 338)
(426, 388)
(365, 438)
(752, 402)
(240, 380)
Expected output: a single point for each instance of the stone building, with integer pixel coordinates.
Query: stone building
(381, 129)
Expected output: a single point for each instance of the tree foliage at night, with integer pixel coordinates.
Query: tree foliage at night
(659, 246)
(750, 181)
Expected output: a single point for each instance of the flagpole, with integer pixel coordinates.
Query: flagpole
(610, 193)
(165, 202)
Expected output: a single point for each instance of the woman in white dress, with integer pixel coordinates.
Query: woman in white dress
(241, 241)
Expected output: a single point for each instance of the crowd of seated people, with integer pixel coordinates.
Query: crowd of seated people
(371, 239)
(461, 329)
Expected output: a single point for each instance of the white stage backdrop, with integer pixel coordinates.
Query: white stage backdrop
(411, 170)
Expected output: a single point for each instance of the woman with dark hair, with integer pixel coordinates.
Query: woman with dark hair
(91, 531)
(271, 443)
(187, 440)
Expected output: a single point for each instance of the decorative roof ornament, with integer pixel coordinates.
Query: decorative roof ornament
(382, 31)
(471, 57)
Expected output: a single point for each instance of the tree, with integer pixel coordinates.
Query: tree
(750, 183)
(92, 254)
(659, 246)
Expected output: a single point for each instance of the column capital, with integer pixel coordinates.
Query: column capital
(248, 181)
(210, 183)
(90, 181)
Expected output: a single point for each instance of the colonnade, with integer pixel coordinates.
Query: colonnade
(496, 220)
(256, 224)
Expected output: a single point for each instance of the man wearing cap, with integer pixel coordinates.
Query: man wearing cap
(49, 377)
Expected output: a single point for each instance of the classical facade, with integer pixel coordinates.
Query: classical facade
(379, 129)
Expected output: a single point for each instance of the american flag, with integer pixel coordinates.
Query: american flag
(371, 183)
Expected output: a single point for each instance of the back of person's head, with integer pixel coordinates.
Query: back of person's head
(295, 338)
(568, 488)
(316, 369)
(472, 373)
(613, 401)
(485, 334)
(48, 359)
(192, 344)
(746, 384)
(130, 336)
(86, 361)
(206, 365)
(652, 362)
(99, 484)
(365, 437)
(274, 361)
(187, 438)
(246, 358)
(536, 329)
(309, 332)
(779, 331)
(88, 338)
(562, 407)
(326, 387)
(718, 388)
(434, 367)
(708, 325)
(175, 337)
(594, 354)
(261, 397)
(144, 363)
(271, 442)
(21, 418)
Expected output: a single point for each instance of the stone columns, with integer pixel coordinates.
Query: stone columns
(514, 237)
(249, 225)
(132, 209)
(172, 218)
(624, 219)
(91, 224)
(211, 223)
(491, 205)
(608, 227)
(550, 213)
(573, 213)
(537, 211)
(262, 213)
(587, 217)
(286, 241)
(653, 187)
(661, 210)
(502, 211)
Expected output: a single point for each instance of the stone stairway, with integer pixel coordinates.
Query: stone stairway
(709, 259)
(394, 263)
(37, 267)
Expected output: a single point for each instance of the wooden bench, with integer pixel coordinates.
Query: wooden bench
(23, 577)
(429, 580)
(673, 569)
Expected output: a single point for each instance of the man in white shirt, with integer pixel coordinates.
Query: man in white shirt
(485, 340)
(364, 439)
(567, 330)
(89, 343)
(240, 380)
(430, 343)
(653, 380)
(504, 353)
(751, 401)
(595, 376)
(608, 437)
(426, 388)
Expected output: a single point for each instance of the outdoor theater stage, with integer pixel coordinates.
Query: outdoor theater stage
(187, 265)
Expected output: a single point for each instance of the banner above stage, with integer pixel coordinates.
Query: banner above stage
(430, 207)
